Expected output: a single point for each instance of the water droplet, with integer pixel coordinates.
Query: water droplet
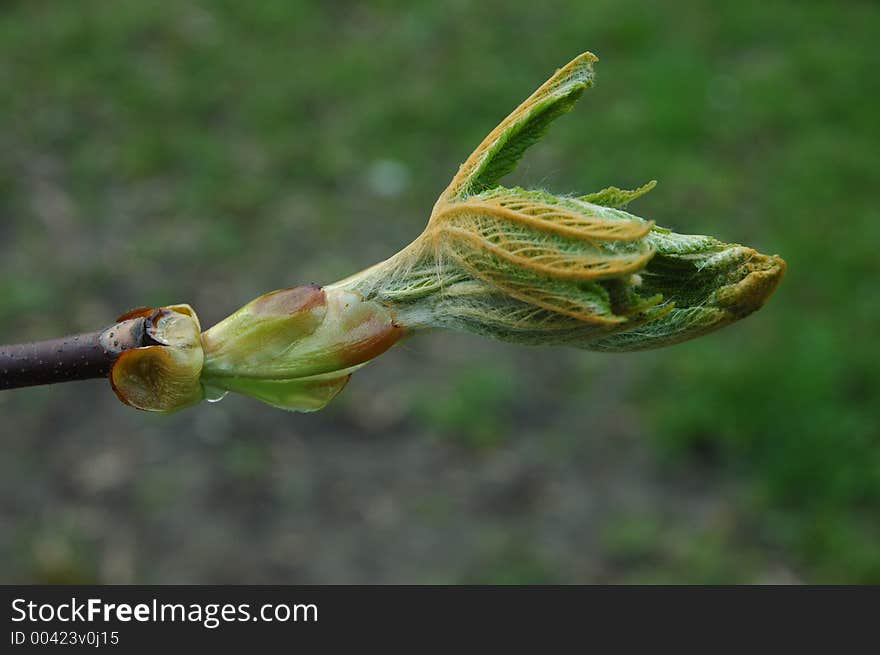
(213, 394)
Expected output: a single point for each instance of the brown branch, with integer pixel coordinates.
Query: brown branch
(76, 357)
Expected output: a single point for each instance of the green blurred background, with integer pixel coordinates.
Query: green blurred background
(206, 152)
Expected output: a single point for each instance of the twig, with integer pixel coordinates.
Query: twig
(75, 357)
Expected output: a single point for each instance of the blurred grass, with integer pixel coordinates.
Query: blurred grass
(207, 152)
(472, 409)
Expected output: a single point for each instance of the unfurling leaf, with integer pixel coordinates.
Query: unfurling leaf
(537, 268)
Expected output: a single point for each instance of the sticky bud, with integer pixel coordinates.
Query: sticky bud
(521, 265)
(162, 377)
(296, 348)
